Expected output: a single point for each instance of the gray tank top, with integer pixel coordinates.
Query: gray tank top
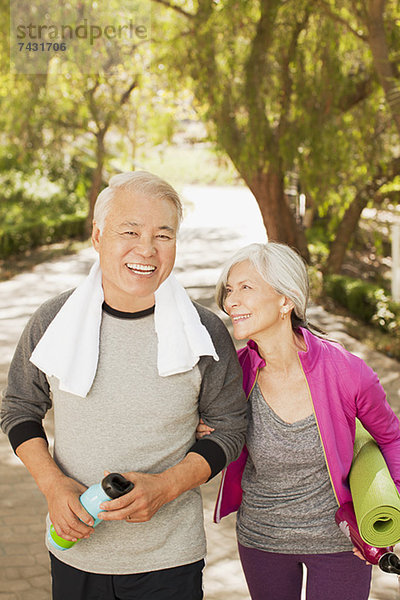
(288, 503)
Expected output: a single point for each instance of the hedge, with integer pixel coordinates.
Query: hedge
(370, 303)
(31, 234)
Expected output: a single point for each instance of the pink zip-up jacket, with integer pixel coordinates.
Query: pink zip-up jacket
(342, 388)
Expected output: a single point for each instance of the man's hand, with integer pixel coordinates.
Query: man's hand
(139, 505)
(151, 492)
(61, 492)
(71, 521)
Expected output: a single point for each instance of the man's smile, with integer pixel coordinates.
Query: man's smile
(140, 269)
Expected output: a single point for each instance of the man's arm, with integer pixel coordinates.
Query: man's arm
(222, 401)
(25, 403)
(151, 492)
(61, 492)
(27, 399)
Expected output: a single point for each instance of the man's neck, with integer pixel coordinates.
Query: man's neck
(129, 304)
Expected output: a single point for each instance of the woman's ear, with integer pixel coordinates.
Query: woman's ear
(287, 304)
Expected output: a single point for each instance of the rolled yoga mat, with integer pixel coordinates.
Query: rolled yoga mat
(375, 497)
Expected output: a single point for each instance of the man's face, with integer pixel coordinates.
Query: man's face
(137, 249)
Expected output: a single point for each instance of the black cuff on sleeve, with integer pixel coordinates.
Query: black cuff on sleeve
(212, 453)
(25, 431)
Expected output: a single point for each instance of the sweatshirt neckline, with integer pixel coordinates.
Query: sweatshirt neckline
(119, 314)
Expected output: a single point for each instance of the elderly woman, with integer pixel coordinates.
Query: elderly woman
(304, 394)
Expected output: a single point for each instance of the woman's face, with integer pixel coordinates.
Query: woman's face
(252, 304)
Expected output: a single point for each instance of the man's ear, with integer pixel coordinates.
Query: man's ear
(96, 235)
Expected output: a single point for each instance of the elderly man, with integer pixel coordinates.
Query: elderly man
(128, 363)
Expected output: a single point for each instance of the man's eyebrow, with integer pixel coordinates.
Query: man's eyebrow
(167, 228)
(134, 224)
(130, 224)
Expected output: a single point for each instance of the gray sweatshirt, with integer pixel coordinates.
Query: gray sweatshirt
(132, 419)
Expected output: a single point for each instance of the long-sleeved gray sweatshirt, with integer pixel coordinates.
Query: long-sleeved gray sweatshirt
(132, 420)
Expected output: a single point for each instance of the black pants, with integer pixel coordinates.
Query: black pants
(178, 583)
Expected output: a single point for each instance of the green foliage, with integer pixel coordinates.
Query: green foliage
(318, 239)
(40, 231)
(86, 113)
(281, 83)
(368, 302)
(35, 211)
(316, 282)
(289, 87)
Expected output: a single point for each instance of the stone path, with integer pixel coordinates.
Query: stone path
(24, 565)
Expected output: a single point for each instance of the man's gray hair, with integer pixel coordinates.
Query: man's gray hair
(281, 267)
(140, 183)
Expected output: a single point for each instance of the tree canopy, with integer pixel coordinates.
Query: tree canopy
(302, 95)
(293, 87)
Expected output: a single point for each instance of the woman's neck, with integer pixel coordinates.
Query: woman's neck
(279, 348)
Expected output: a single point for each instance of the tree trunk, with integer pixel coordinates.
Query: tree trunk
(97, 177)
(345, 232)
(97, 180)
(279, 221)
(380, 52)
(349, 223)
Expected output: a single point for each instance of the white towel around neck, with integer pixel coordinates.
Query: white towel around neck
(69, 348)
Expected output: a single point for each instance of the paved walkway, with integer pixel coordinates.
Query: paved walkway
(24, 565)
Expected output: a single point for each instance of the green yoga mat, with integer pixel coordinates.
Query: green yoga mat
(375, 497)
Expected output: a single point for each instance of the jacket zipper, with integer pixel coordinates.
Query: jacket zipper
(319, 431)
(222, 483)
(254, 383)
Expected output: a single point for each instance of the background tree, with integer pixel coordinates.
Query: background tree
(70, 121)
(375, 22)
(240, 65)
(285, 86)
(372, 23)
(287, 90)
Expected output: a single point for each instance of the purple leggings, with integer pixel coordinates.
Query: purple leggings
(273, 576)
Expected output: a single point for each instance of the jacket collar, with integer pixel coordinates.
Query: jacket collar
(255, 358)
(314, 344)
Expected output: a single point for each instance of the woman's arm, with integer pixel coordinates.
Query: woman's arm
(379, 419)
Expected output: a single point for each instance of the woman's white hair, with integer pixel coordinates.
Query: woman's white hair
(140, 183)
(281, 267)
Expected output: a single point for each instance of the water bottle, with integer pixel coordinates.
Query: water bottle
(112, 486)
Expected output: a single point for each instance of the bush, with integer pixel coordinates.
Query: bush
(370, 303)
(35, 211)
(31, 234)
